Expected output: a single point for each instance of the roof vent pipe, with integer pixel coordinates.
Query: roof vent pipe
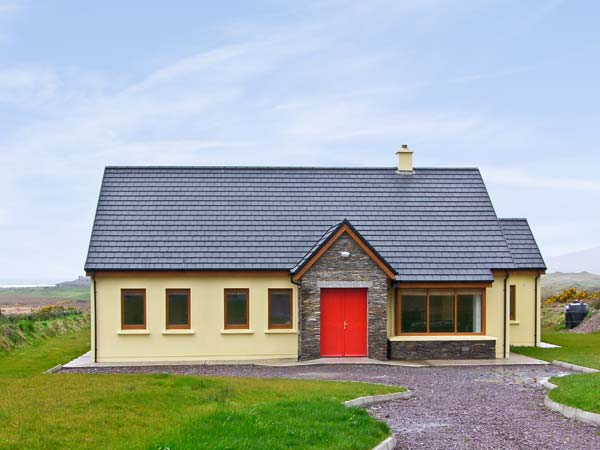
(405, 160)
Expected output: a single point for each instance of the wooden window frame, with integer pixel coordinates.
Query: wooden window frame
(245, 326)
(456, 292)
(186, 326)
(512, 312)
(282, 327)
(124, 326)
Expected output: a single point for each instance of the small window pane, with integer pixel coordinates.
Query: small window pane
(133, 309)
(178, 306)
(469, 313)
(236, 304)
(513, 302)
(441, 313)
(414, 310)
(280, 312)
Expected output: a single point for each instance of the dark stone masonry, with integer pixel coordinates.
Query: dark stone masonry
(331, 270)
(483, 349)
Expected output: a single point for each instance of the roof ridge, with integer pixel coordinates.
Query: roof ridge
(283, 168)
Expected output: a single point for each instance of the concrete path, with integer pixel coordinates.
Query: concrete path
(85, 361)
(452, 407)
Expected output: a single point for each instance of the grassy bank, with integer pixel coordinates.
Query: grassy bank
(42, 354)
(178, 412)
(27, 329)
(50, 292)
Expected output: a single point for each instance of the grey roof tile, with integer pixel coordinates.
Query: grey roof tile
(438, 224)
(522, 245)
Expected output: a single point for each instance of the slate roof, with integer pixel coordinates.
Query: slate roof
(522, 245)
(434, 225)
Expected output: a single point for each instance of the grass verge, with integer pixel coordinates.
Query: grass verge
(580, 349)
(579, 391)
(95, 411)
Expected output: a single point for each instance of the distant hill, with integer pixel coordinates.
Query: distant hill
(79, 282)
(553, 283)
(582, 261)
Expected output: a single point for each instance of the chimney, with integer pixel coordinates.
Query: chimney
(405, 160)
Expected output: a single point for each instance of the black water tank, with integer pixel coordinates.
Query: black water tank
(575, 313)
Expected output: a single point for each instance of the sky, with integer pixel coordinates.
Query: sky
(508, 86)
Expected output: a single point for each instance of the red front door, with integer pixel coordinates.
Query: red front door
(343, 322)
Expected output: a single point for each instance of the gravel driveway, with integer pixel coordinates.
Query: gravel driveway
(452, 407)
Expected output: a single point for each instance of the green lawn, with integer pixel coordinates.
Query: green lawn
(42, 354)
(176, 412)
(579, 391)
(581, 349)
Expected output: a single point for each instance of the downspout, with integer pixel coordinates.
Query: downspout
(294, 282)
(95, 321)
(505, 311)
(535, 312)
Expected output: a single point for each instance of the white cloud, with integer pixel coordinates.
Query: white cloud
(7, 8)
(518, 177)
(299, 94)
(27, 86)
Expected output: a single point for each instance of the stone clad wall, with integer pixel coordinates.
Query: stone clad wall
(331, 270)
(480, 349)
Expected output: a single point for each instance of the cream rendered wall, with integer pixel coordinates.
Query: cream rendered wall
(391, 313)
(494, 311)
(522, 329)
(209, 340)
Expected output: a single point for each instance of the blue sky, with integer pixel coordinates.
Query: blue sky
(507, 86)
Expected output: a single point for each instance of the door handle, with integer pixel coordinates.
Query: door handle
(345, 324)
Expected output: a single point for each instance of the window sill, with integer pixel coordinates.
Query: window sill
(126, 332)
(281, 331)
(175, 331)
(238, 331)
(442, 337)
(514, 322)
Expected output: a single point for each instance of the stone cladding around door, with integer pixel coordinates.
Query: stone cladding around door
(333, 270)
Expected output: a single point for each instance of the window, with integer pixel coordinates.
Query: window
(441, 312)
(468, 312)
(438, 311)
(178, 308)
(513, 302)
(414, 312)
(236, 308)
(133, 309)
(280, 308)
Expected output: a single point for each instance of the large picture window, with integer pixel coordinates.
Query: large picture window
(237, 302)
(280, 308)
(178, 308)
(133, 309)
(440, 311)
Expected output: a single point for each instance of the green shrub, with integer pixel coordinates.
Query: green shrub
(26, 326)
(45, 313)
(569, 295)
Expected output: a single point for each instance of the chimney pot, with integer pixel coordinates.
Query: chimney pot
(405, 160)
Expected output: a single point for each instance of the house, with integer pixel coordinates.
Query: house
(245, 263)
